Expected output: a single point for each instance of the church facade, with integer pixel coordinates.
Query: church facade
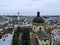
(38, 29)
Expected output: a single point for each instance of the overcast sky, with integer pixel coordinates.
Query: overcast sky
(30, 7)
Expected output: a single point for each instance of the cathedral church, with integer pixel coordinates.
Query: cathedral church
(38, 29)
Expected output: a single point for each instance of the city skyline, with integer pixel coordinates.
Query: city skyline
(30, 7)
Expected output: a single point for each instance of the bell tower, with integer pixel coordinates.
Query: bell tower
(38, 23)
(18, 16)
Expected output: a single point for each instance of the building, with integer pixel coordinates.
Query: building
(38, 28)
(35, 36)
(56, 34)
(38, 23)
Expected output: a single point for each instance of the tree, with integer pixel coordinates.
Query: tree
(0, 35)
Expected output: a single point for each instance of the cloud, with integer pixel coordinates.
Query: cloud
(30, 7)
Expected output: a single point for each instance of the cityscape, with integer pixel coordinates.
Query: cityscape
(29, 30)
(29, 22)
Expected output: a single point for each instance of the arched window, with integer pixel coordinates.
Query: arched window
(42, 44)
(46, 44)
(34, 28)
(40, 28)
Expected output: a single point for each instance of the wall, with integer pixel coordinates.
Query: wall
(36, 28)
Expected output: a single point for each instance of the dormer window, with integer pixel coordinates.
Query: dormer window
(40, 28)
(34, 28)
(44, 39)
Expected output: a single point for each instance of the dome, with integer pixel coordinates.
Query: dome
(38, 19)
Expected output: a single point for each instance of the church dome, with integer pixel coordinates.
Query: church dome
(38, 19)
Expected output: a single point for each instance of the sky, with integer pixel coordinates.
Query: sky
(30, 7)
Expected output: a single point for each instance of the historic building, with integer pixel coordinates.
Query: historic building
(35, 35)
(38, 23)
(38, 28)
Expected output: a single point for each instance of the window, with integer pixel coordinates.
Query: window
(40, 28)
(46, 44)
(42, 44)
(3, 39)
(34, 27)
(52, 34)
(45, 39)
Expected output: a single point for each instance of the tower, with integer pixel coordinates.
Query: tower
(18, 16)
(38, 23)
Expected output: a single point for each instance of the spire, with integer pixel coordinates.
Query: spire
(38, 14)
(18, 13)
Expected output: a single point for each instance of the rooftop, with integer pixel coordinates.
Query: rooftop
(41, 35)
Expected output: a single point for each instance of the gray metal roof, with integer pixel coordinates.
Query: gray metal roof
(42, 35)
(38, 20)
